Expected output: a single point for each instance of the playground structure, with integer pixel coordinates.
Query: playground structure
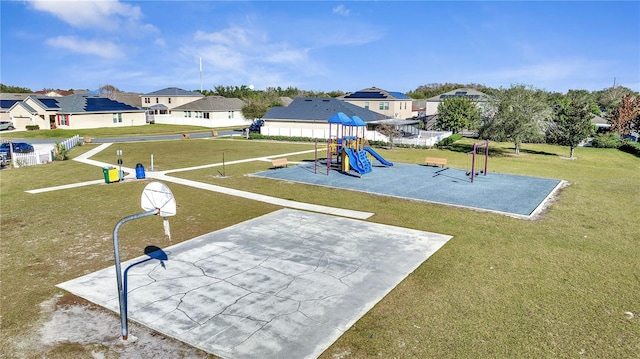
(347, 149)
(482, 159)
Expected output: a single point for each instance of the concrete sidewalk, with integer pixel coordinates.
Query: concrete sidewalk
(163, 176)
(284, 285)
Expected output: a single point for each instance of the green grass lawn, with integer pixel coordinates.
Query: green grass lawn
(129, 131)
(557, 287)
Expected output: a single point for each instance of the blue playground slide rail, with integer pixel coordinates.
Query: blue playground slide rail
(378, 157)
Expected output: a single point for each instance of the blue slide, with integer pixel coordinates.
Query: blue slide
(354, 163)
(378, 157)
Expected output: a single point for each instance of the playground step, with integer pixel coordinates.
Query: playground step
(364, 161)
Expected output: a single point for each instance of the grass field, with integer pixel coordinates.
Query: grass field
(564, 286)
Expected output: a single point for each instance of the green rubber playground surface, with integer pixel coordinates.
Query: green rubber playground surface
(520, 196)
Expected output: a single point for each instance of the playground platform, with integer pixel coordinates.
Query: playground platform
(513, 195)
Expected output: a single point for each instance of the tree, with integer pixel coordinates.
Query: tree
(390, 131)
(457, 113)
(254, 110)
(522, 115)
(626, 116)
(571, 120)
(609, 99)
(13, 89)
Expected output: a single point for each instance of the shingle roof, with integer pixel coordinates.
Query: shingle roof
(461, 92)
(174, 91)
(376, 94)
(25, 106)
(213, 103)
(89, 103)
(315, 109)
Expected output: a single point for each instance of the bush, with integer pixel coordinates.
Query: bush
(448, 141)
(631, 147)
(60, 152)
(32, 127)
(607, 140)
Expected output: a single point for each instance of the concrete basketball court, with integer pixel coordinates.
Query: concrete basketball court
(283, 285)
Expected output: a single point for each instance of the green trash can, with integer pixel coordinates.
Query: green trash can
(110, 174)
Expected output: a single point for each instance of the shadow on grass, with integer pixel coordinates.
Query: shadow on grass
(495, 152)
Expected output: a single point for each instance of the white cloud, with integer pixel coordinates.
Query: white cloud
(233, 36)
(341, 10)
(103, 49)
(110, 15)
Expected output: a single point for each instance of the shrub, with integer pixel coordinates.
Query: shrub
(448, 141)
(607, 140)
(32, 127)
(631, 147)
(60, 152)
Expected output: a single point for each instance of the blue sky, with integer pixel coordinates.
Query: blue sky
(144, 46)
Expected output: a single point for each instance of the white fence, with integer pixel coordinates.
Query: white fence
(424, 138)
(32, 158)
(42, 156)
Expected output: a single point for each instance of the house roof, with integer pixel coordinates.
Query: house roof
(8, 99)
(313, 109)
(212, 103)
(25, 106)
(89, 103)
(599, 121)
(374, 93)
(461, 92)
(173, 91)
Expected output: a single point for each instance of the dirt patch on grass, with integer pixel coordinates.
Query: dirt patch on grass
(70, 326)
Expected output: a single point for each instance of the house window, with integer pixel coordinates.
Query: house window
(386, 105)
(147, 100)
(187, 114)
(156, 100)
(206, 115)
(230, 114)
(366, 105)
(63, 120)
(169, 99)
(383, 106)
(117, 118)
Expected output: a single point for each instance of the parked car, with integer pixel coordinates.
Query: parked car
(18, 147)
(6, 125)
(255, 126)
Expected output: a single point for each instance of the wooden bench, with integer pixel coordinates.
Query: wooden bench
(435, 161)
(279, 162)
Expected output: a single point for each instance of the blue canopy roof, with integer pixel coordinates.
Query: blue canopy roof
(357, 121)
(340, 118)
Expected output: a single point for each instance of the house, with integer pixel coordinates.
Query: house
(210, 111)
(308, 117)
(478, 97)
(74, 112)
(160, 103)
(7, 100)
(391, 104)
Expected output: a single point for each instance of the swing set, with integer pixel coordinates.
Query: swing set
(482, 160)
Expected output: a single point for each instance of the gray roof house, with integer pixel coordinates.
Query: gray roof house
(170, 97)
(389, 103)
(308, 117)
(210, 111)
(475, 95)
(74, 112)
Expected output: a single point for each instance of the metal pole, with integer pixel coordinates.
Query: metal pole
(116, 250)
(486, 157)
